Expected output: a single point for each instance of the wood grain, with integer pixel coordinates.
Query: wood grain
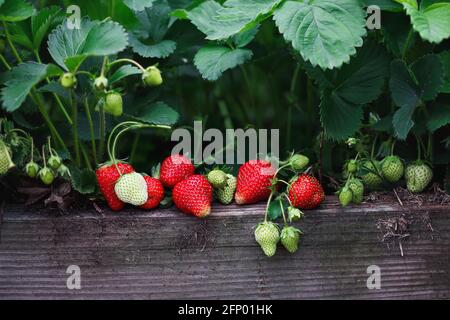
(164, 254)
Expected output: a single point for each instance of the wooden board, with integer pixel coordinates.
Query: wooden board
(164, 254)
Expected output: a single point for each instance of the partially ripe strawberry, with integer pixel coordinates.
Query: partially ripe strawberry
(306, 192)
(131, 188)
(155, 192)
(107, 176)
(193, 196)
(253, 181)
(174, 169)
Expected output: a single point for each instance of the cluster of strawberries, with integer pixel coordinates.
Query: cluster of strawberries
(193, 193)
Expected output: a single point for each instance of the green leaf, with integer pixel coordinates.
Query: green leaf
(70, 47)
(385, 5)
(158, 113)
(148, 39)
(138, 5)
(345, 91)
(395, 30)
(122, 72)
(243, 38)
(439, 117)
(42, 22)
(431, 20)
(221, 22)
(325, 32)
(212, 61)
(83, 180)
(274, 210)
(445, 58)
(158, 50)
(339, 118)
(20, 81)
(410, 86)
(15, 10)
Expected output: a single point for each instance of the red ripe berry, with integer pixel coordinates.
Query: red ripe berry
(253, 181)
(107, 176)
(155, 192)
(306, 192)
(174, 169)
(193, 196)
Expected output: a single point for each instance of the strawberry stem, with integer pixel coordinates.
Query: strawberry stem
(282, 212)
(267, 206)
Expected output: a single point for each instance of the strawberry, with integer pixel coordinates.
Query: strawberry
(267, 236)
(68, 80)
(100, 83)
(193, 196)
(155, 191)
(299, 162)
(253, 181)
(289, 238)
(225, 195)
(217, 178)
(357, 188)
(5, 159)
(306, 192)
(113, 104)
(174, 169)
(371, 177)
(132, 188)
(418, 175)
(46, 175)
(54, 162)
(152, 76)
(345, 196)
(32, 169)
(352, 166)
(392, 168)
(107, 177)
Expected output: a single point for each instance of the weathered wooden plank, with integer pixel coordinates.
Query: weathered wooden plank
(165, 254)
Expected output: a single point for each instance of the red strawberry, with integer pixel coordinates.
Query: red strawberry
(155, 192)
(253, 181)
(306, 192)
(175, 169)
(107, 175)
(193, 196)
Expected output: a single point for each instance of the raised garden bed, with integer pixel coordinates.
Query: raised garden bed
(165, 254)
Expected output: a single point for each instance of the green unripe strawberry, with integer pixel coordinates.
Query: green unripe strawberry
(418, 175)
(32, 169)
(289, 238)
(114, 104)
(68, 80)
(5, 158)
(352, 166)
(54, 162)
(357, 188)
(345, 196)
(267, 236)
(152, 76)
(100, 83)
(46, 175)
(132, 188)
(217, 178)
(392, 168)
(371, 179)
(294, 214)
(63, 171)
(225, 195)
(299, 162)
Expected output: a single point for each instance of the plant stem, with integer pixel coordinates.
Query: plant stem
(267, 206)
(126, 60)
(419, 154)
(85, 156)
(101, 149)
(282, 212)
(37, 100)
(407, 43)
(76, 144)
(11, 45)
(91, 128)
(5, 63)
(58, 100)
(289, 115)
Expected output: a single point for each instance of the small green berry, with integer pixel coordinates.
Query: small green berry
(101, 83)
(68, 80)
(32, 169)
(54, 162)
(46, 175)
(299, 162)
(152, 76)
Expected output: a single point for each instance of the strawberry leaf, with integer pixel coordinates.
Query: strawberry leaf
(122, 72)
(83, 180)
(158, 113)
(439, 117)
(431, 19)
(326, 33)
(138, 5)
(20, 81)
(15, 10)
(212, 61)
(70, 47)
(445, 58)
